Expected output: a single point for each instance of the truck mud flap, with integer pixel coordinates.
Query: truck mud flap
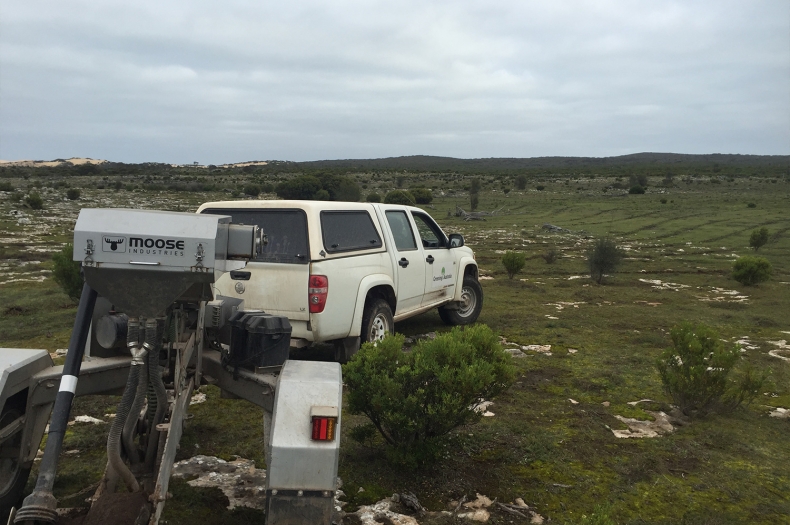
(297, 507)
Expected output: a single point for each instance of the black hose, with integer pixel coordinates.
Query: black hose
(41, 504)
(158, 400)
(127, 436)
(116, 430)
(114, 459)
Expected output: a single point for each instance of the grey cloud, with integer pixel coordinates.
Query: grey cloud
(183, 81)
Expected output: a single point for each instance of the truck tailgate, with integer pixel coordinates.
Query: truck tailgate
(275, 288)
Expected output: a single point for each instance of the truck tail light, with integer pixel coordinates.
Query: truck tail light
(324, 428)
(324, 423)
(317, 290)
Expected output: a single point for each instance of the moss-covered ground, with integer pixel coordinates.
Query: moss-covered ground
(559, 456)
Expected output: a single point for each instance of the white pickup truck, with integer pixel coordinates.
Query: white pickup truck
(345, 272)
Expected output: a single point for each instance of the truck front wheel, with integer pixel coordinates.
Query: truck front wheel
(468, 308)
(377, 321)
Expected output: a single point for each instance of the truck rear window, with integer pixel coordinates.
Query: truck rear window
(345, 231)
(286, 231)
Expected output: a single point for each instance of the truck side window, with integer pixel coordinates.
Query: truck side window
(285, 229)
(401, 230)
(345, 231)
(432, 236)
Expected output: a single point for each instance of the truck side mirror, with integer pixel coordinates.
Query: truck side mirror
(456, 240)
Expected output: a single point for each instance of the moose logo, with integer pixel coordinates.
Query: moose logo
(114, 244)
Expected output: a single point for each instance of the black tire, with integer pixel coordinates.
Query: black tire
(377, 321)
(470, 306)
(13, 475)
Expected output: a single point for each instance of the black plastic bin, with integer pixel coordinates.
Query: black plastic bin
(258, 339)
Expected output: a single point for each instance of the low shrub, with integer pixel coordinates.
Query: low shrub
(416, 399)
(66, 272)
(399, 197)
(513, 263)
(540, 187)
(663, 201)
(474, 201)
(637, 190)
(521, 182)
(604, 257)
(422, 195)
(34, 201)
(6, 186)
(253, 190)
(750, 270)
(551, 255)
(73, 194)
(373, 197)
(751, 205)
(322, 195)
(758, 238)
(695, 372)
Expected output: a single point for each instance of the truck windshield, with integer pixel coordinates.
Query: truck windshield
(285, 229)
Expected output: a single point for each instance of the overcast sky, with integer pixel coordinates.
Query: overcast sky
(231, 81)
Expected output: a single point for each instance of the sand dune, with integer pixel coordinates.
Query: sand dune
(74, 161)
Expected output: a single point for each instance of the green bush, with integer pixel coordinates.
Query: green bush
(34, 201)
(604, 257)
(513, 263)
(551, 255)
(340, 188)
(663, 201)
(373, 197)
(302, 187)
(695, 372)
(521, 182)
(73, 194)
(758, 238)
(322, 195)
(399, 197)
(416, 399)
(540, 187)
(638, 180)
(422, 195)
(66, 272)
(751, 205)
(253, 190)
(6, 186)
(750, 271)
(636, 190)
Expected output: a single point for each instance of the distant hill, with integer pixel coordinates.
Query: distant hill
(426, 162)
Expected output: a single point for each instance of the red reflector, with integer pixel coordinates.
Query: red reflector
(317, 290)
(323, 428)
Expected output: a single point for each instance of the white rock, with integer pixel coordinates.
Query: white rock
(644, 429)
(88, 419)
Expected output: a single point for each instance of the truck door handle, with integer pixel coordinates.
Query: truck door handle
(240, 276)
(429, 260)
(403, 262)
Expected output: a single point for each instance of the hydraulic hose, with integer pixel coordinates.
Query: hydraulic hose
(116, 429)
(41, 504)
(127, 436)
(157, 401)
(149, 335)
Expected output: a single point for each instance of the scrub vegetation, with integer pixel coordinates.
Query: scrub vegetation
(590, 350)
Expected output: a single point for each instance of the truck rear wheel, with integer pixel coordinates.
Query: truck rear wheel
(377, 321)
(13, 475)
(468, 307)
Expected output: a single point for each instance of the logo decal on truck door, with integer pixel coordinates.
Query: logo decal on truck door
(442, 278)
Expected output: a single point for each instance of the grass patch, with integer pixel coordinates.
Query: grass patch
(560, 457)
